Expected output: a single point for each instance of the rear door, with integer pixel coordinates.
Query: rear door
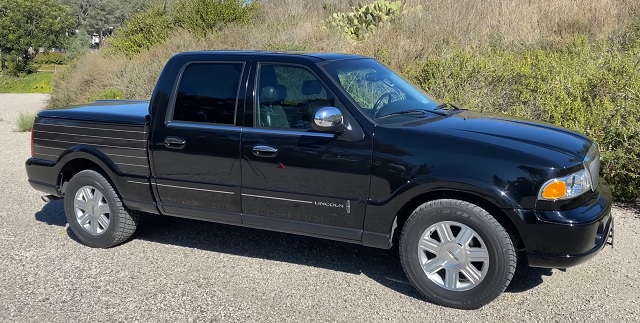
(195, 150)
(295, 178)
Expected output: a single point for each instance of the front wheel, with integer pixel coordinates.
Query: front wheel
(456, 254)
(95, 212)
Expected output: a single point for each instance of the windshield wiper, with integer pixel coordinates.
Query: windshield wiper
(446, 106)
(413, 111)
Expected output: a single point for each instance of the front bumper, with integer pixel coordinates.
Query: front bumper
(554, 244)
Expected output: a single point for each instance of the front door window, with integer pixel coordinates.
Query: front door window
(288, 96)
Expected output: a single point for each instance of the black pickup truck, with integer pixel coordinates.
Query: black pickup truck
(333, 146)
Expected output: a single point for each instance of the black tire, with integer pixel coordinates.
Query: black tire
(493, 240)
(122, 223)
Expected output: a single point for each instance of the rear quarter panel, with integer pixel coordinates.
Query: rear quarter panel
(120, 150)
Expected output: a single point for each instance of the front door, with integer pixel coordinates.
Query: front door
(295, 178)
(195, 151)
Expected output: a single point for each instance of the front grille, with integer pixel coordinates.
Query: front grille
(592, 162)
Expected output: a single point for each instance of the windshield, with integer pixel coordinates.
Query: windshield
(378, 91)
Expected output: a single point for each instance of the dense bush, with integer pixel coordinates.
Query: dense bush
(50, 58)
(285, 46)
(77, 46)
(202, 16)
(110, 94)
(590, 87)
(142, 31)
(19, 67)
(153, 26)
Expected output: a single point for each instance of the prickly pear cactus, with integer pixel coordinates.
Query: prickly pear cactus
(365, 19)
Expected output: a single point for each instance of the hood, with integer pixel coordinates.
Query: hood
(117, 111)
(534, 138)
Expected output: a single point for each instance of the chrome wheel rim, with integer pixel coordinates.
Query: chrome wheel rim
(453, 256)
(92, 210)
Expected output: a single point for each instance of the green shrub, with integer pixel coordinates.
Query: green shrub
(621, 152)
(202, 16)
(365, 19)
(286, 46)
(590, 87)
(50, 58)
(142, 31)
(25, 121)
(110, 94)
(19, 67)
(153, 26)
(77, 45)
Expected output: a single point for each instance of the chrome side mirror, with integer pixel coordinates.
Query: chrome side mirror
(328, 119)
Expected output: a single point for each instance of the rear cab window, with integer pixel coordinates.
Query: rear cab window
(207, 92)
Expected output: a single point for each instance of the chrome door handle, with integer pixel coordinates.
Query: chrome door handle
(265, 151)
(174, 142)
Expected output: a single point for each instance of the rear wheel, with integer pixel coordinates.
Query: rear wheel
(95, 212)
(456, 254)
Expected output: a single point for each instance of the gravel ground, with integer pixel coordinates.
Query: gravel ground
(183, 270)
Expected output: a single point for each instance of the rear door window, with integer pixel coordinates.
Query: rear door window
(208, 93)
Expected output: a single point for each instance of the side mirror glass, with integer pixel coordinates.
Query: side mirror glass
(328, 119)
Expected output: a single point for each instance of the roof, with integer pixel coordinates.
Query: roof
(264, 53)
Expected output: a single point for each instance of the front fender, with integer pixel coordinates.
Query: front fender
(381, 215)
(423, 185)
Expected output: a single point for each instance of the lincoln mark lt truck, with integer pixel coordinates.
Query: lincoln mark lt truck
(332, 146)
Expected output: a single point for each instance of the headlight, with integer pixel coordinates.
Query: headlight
(566, 187)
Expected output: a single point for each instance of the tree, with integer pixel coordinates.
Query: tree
(28, 25)
(102, 16)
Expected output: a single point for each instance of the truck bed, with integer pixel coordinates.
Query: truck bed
(115, 128)
(116, 111)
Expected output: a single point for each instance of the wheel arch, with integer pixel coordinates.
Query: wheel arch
(405, 211)
(77, 159)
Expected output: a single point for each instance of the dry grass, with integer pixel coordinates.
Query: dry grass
(24, 122)
(525, 22)
(433, 26)
(442, 24)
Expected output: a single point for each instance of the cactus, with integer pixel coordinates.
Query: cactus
(365, 19)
